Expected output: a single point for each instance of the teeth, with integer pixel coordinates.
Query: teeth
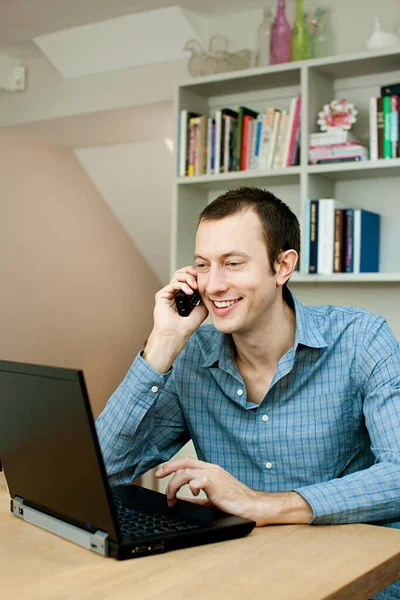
(224, 304)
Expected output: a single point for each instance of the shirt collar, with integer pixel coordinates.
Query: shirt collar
(218, 347)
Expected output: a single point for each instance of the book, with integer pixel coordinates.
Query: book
(340, 159)
(392, 89)
(394, 126)
(338, 250)
(242, 112)
(274, 138)
(227, 115)
(306, 236)
(288, 136)
(280, 144)
(184, 134)
(245, 141)
(373, 129)
(387, 146)
(366, 242)
(379, 123)
(329, 137)
(295, 135)
(348, 240)
(265, 142)
(313, 251)
(326, 234)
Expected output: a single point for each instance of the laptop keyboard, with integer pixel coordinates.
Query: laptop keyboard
(141, 524)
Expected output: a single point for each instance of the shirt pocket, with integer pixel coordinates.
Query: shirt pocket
(320, 438)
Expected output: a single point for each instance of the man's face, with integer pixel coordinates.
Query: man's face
(234, 275)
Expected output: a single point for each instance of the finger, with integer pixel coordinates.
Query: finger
(180, 479)
(180, 463)
(170, 290)
(200, 501)
(190, 277)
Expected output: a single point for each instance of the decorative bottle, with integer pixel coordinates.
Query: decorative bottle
(281, 34)
(321, 34)
(300, 39)
(264, 39)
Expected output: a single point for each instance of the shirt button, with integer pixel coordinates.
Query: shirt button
(268, 465)
(265, 417)
(154, 389)
(240, 392)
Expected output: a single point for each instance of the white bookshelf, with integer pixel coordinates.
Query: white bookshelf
(371, 185)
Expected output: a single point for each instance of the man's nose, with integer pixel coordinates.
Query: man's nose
(216, 282)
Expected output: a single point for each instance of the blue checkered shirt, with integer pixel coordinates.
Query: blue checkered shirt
(333, 407)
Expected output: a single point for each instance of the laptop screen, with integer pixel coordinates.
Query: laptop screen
(48, 445)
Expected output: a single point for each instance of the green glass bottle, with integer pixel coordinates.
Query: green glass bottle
(300, 41)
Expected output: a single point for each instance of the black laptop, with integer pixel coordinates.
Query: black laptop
(57, 480)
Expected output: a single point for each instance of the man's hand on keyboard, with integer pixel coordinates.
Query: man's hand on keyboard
(230, 495)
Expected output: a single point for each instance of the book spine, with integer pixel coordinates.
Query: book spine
(250, 138)
(348, 240)
(192, 142)
(289, 130)
(380, 122)
(369, 241)
(295, 135)
(356, 240)
(339, 159)
(280, 147)
(274, 138)
(245, 141)
(338, 242)
(306, 236)
(227, 133)
(314, 217)
(217, 145)
(269, 120)
(373, 130)
(259, 134)
(394, 125)
(325, 239)
(387, 146)
(209, 145)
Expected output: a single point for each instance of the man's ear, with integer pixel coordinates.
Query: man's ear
(285, 266)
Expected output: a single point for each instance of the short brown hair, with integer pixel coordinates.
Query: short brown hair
(281, 229)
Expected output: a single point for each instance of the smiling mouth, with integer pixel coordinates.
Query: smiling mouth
(225, 303)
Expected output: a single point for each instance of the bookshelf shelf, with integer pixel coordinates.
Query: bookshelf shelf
(347, 278)
(251, 177)
(365, 169)
(372, 185)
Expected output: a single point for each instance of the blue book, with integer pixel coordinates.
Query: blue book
(314, 204)
(366, 235)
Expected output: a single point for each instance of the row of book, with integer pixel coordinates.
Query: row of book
(384, 123)
(238, 140)
(340, 239)
(335, 146)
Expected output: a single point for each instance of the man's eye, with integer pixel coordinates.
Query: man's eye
(200, 266)
(234, 264)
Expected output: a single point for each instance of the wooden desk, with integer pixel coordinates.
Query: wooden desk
(291, 562)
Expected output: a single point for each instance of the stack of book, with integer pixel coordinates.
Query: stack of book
(332, 147)
(238, 140)
(339, 239)
(384, 123)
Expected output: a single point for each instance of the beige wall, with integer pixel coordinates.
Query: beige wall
(75, 291)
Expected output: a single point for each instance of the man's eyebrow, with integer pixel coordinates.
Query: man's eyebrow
(226, 254)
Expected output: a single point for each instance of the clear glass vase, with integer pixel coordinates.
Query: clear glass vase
(321, 34)
(281, 35)
(264, 39)
(300, 45)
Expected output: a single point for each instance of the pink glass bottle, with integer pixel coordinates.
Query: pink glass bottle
(281, 36)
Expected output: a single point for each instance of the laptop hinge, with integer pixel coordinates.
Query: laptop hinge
(97, 542)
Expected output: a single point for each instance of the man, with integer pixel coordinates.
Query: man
(294, 411)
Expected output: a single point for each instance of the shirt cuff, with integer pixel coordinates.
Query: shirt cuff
(148, 376)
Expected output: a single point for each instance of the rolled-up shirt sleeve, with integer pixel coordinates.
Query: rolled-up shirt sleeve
(372, 494)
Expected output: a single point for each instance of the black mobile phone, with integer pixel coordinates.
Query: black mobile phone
(185, 303)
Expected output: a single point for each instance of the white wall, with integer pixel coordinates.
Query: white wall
(135, 180)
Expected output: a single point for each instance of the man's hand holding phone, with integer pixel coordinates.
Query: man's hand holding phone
(171, 331)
